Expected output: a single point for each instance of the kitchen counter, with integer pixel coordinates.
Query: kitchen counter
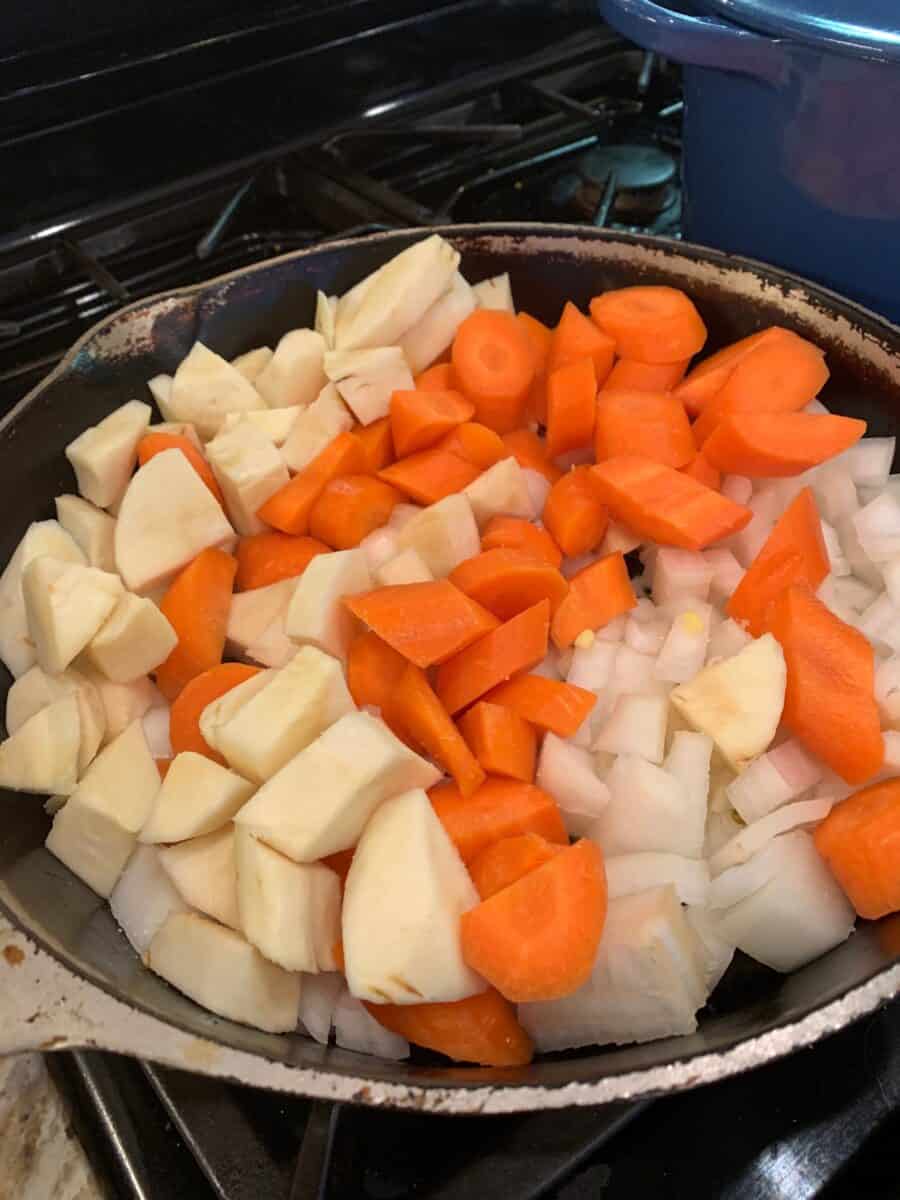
(40, 1156)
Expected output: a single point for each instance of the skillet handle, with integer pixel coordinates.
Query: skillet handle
(696, 41)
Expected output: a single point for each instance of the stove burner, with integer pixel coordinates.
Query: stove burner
(628, 184)
(637, 168)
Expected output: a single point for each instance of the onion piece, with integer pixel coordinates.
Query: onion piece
(636, 725)
(835, 492)
(567, 772)
(837, 560)
(797, 915)
(380, 546)
(727, 573)
(538, 487)
(727, 639)
(649, 809)
(684, 651)
(355, 1029)
(618, 538)
(877, 527)
(718, 950)
(721, 827)
(860, 563)
(868, 463)
(737, 488)
(880, 622)
(747, 542)
(318, 999)
(680, 575)
(156, 731)
(753, 838)
(592, 666)
(630, 873)
(689, 760)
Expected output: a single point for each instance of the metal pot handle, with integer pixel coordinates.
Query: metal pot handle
(698, 41)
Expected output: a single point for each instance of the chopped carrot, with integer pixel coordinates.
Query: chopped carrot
(289, 508)
(794, 552)
(475, 443)
(516, 646)
(481, 1029)
(152, 444)
(340, 862)
(540, 338)
(704, 472)
(507, 581)
(427, 623)
(571, 406)
(413, 707)
(829, 702)
(547, 703)
(537, 939)
(576, 336)
(651, 424)
(184, 715)
(419, 419)
(162, 765)
(662, 505)
(860, 841)
(651, 324)
(502, 741)
(430, 475)
(530, 451)
(349, 508)
(774, 445)
(373, 669)
(494, 366)
(629, 375)
(377, 443)
(438, 378)
(515, 533)
(597, 594)
(499, 809)
(708, 378)
(264, 558)
(575, 514)
(502, 863)
(196, 606)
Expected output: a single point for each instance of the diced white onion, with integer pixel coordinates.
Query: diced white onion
(680, 575)
(727, 573)
(538, 486)
(877, 527)
(318, 998)
(355, 1029)
(636, 725)
(868, 463)
(684, 651)
(835, 493)
(837, 560)
(727, 639)
(880, 622)
(737, 488)
(630, 873)
(800, 815)
(567, 773)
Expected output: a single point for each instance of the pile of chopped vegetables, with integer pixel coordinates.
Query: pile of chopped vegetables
(345, 697)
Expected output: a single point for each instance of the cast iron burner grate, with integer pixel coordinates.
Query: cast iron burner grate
(820, 1125)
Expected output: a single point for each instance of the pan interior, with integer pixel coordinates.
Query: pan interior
(547, 266)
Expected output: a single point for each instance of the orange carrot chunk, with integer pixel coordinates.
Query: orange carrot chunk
(269, 557)
(774, 445)
(575, 514)
(516, 646)
(438, 378)
(704, 472)
(629, 375)
(499, 809)
(507, 581)
(651, 424)
(708, 378)
(419, 419)
(662, 505)
(502, 741)
(794, 552)
(373, 670)
(537, 939)
(162, 765)
(413, 707)
(651, 324)
(530, 451)
(494, 366)
(540, 338)
(597, 594)
(349, 508)
(503, 862)
(377, 445)
(482, 1029)
(196, 606)
(860, 841)
(515, 533)
(152, 444)
(475, 443)
(829, 702)
(571, 406)
(430, 475)
(184, 715)
(575, 337)
(547, 703)
(427, 623)
(289, 508)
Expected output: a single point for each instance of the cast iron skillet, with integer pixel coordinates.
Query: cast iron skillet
(755, 1014)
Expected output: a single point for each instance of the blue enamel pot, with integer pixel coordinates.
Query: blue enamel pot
(791, 131)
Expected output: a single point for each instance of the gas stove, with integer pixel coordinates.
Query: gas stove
(140, 161)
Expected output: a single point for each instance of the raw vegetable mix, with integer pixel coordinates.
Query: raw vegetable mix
(443, 677)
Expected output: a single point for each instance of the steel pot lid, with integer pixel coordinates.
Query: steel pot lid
(863, 28)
